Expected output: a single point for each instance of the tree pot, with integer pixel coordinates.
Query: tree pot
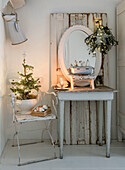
(26, 105)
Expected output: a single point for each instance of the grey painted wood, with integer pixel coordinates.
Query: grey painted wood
(73, 122)
(62, 95)
(88, 96)
(61, 117)
(100, 121)
(67, 127)
(108, 128)
(93, 126)
(58, 124)
(86, 122)
(80, 125)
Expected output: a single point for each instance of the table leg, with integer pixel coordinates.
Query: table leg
(58, 123)
(100, 121)
(61, 116)
(108, 128)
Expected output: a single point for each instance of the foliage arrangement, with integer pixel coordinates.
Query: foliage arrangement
(102, 39)
(26, 85)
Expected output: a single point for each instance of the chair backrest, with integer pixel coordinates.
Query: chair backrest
(54, 101)
(13, 106)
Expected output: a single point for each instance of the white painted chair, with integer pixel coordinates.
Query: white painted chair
(20, 119)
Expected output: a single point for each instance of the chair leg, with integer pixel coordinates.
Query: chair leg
(18, 148)
(47, 126)
(45, 129)
(43, 134)
(52, 141)
(14, 138)
(18, 143)
(17, 132)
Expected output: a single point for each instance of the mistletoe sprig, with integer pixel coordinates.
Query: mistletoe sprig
(27, 83)
(102, 39)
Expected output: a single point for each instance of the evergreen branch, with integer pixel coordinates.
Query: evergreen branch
(28, 66)
(102, 39)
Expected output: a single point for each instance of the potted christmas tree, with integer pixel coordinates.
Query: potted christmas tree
(25, 88)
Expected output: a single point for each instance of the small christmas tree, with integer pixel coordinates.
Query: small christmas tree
(26, 85)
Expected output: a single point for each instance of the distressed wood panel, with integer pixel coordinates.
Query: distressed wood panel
(59, 23)
(53, 44)
(80, 123)
(80, 117)
(86, 122)
(78, 19)
(73, 122)
(93, 126)
(91, 21)
(88, 21)
(67, 123)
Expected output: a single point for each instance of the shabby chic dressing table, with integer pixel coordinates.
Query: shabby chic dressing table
(86, 94)
(72, 47)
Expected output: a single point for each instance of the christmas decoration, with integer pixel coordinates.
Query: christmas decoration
(26, 85)
(102, 39)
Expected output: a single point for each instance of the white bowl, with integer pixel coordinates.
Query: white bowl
(26, 105)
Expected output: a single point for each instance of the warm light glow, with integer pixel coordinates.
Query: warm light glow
(61, 82)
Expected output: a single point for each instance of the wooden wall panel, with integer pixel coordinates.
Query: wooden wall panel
(73, 118)
(80, 117)
(80, 123)
(59, 23)
(67, 129)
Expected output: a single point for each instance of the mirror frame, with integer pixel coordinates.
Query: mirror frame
(62, 46)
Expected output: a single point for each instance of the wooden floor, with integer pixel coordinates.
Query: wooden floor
(76, 157)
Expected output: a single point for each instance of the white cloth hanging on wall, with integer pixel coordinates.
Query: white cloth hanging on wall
(15, 3)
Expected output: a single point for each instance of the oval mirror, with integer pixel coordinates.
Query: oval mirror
(72, 47)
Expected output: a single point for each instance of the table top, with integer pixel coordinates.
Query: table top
(87, 89)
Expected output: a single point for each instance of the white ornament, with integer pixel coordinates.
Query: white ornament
(41, 109)
(45, 107)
